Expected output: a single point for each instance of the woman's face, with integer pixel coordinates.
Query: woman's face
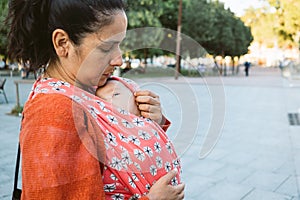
(99, 53)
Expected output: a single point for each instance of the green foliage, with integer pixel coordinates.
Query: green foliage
(288, 16)
(142, 14)
(218, 30)
(169, 18)
(280, 23)
(206, 22)
(198, 21)
(262, 25)
(242, 38)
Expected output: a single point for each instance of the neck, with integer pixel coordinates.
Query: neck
(58, 72)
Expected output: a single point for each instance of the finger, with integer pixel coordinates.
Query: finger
(148, 111)
(148, 100)
(144, 107)
(149, 108)
(146, 93)
(179, 188)
(180, 196)
(152, 116)
(166, 179)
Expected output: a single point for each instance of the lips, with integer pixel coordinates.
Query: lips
(107, 74)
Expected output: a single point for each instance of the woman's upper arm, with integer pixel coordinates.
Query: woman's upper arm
(55, 162)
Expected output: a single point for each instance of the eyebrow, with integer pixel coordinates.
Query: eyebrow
(113, 41)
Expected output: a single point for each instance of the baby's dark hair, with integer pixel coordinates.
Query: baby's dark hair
(32, 23)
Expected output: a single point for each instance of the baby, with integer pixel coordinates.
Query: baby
(119, 95)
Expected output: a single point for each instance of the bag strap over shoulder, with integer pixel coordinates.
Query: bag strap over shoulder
(17, 192)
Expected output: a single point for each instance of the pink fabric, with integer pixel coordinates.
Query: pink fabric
(138, 152)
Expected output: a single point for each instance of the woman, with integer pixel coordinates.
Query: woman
(63, 151)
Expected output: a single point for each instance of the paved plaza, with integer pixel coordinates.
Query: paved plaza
(232, 133)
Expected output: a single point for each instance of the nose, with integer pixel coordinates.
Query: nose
(117, 59)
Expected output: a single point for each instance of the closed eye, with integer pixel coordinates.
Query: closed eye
(106, 49)
(116, 94)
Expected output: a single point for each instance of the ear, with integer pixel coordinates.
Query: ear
(61, 42)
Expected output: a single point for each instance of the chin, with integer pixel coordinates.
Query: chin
(102, 82)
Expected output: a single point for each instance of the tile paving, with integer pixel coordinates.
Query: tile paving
(257, 155)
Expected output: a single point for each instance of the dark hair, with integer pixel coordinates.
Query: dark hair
(32, 23)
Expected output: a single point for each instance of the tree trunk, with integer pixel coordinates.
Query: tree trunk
(144, 66)
(5, 61)
(238, 66)
(233, 65)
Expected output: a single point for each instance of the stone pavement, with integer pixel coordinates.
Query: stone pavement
(256, 156)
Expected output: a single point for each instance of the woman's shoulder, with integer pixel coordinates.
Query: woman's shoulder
(58, 112)
(48, 102)
(52, 106)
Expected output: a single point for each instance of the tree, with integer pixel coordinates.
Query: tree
(3, 29)
(169, 20)
(215, 28)
(142, 14)
(218, 30)
(280, 22)
(198, 22)
(243, 39)
(261, 19)
(288, 16)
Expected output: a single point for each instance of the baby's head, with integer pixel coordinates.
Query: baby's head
(116, 93)
(107, 91)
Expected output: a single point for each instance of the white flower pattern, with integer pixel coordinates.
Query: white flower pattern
(148, 151)
(126, 124)
(159, 162)
(153, 170)
(138, 122)
(109, 187)
(112, 119)
(118, 197)
(126, 158)
(157, 147)
(134, 140)
(116, 164)
(139, 154)
(144, 135)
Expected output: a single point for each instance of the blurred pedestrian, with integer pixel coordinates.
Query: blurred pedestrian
(247, 65)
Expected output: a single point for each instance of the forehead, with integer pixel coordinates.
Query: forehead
(116, 31)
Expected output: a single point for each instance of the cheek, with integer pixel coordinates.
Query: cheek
(92, 68)
(94, 63)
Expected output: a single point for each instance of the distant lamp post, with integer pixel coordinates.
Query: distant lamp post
(178, 40)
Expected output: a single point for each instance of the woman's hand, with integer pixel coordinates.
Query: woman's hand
(162, 190)
(149, 105)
